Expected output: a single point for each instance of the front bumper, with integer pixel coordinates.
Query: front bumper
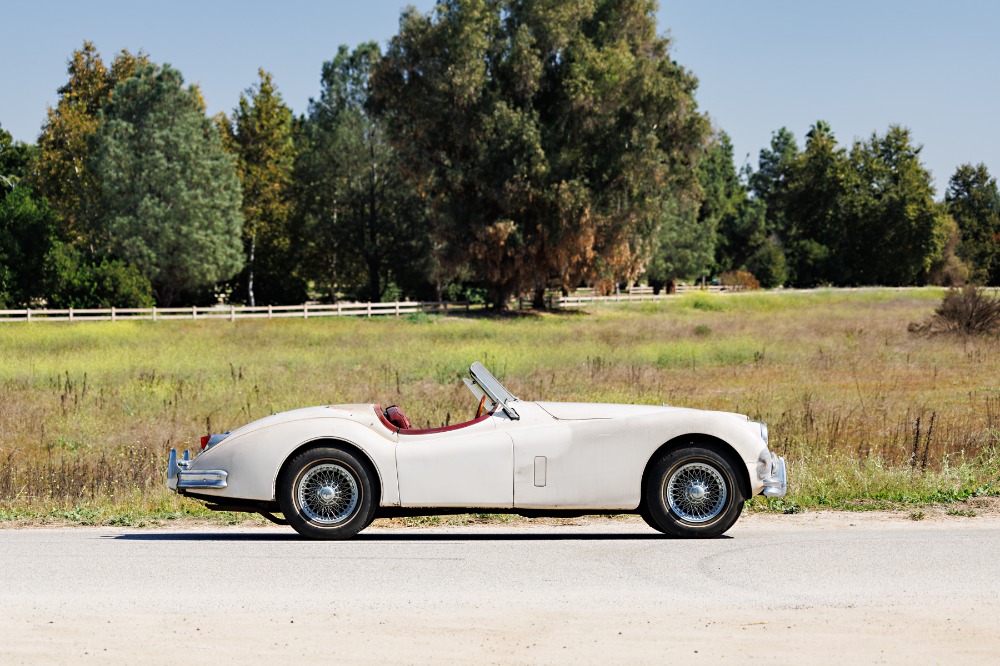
(776, 484)
(179, 477)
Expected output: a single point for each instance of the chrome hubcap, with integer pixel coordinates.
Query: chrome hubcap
(327, 493)
(696, 492)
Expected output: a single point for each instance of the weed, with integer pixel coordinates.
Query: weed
(964, 513)
(917, 515)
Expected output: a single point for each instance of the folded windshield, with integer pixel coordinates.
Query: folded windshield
(492, 388)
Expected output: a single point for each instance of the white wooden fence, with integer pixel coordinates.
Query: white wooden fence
(234, 312)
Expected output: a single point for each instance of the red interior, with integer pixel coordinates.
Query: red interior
(421, 431)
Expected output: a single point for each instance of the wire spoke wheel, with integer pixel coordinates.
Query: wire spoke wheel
(696, 492)
(327, 493)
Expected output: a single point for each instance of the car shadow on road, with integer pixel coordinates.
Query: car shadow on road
(413, 537)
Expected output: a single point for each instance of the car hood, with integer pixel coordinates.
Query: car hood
(572, 411)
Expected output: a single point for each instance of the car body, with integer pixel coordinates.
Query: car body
(331, 470)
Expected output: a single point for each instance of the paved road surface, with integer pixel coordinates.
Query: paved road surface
(800, 589)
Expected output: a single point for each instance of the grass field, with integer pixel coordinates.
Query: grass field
(867, 414)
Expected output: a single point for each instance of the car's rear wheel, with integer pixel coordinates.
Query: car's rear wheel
(692, 492)
(326, 493)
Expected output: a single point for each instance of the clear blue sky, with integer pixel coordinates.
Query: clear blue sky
(930, 66)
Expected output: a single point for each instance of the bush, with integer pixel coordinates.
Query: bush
(968, 311)
(79, 281)
(739, 281)
(768, 265)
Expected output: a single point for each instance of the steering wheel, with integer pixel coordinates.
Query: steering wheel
(482, 407)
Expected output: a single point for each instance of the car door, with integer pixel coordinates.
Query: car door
(467, 467)
(573, 465)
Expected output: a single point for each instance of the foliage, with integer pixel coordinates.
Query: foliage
(864, 216)
(974, 202)
(545, 136)
(64, 169)
(74, 279)
(739, 281)
(260, 137)
(367, 226)
(968, 310)
(27, 229)
(170, 197)
(14, 161)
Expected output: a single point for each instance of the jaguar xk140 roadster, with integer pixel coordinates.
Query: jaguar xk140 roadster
(331, 470)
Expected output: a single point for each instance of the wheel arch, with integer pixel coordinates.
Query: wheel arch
(353, 449)
(720, 446)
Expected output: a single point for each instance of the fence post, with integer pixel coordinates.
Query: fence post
(71, 314)
(194, 312)
(369, 309)
(113, 316)
(27, 314)
(270, 313)
(338, 308)
(397, 308)
(232, 312)
(305, 311)
(154, 313)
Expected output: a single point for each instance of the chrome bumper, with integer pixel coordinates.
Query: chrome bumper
(179, 477)
(776, 485)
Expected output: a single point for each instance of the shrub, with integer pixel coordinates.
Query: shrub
(739, 281)
(969, 311)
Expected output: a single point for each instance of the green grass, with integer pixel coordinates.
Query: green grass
(88, 411)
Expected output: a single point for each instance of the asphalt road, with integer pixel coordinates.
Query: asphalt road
(797, 589)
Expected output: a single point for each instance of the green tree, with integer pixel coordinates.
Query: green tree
(15, 156)
(547, 136)
(27, 230)
(770, 183)
(170, 196)
(64, 168)
(260, 137)
(367, 224)
(815, 189)
(973, 201)
(889, 220)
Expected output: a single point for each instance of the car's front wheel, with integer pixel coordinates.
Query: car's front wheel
(326, 493)
(692, 492)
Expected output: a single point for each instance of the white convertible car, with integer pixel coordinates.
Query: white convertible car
(331, 470)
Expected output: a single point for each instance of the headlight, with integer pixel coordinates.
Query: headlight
(763, 430)
(764, 463)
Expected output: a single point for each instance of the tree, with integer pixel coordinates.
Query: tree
(260, 137)
(170, 196)
(367, 222)
(27, 229)
(890, 223)
(546, 136)
(813, 194)
(14, 160)
(64, 169)
(973, 201)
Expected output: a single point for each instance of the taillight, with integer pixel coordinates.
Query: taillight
(204, 441)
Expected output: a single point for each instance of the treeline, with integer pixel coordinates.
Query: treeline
(495, 149)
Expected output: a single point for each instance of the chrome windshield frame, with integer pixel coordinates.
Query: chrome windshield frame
(494, 389)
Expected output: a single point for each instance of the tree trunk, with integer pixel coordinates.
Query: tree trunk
(253, 249)
(538, 302)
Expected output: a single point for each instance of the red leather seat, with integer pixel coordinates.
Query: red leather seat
(394, 414)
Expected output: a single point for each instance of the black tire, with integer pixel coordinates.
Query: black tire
(326, 493)
(706, 495)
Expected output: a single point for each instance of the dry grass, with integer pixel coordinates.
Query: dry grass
(867, 414)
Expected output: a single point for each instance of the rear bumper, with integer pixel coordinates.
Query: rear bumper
(776, 485)
(179, 477)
